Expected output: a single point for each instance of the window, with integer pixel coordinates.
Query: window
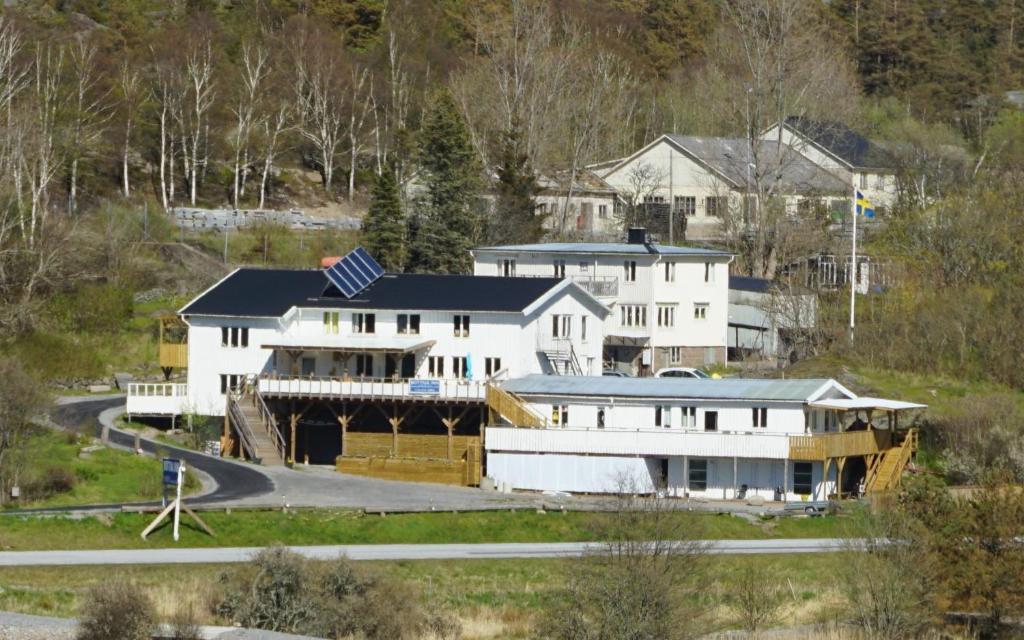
(709, 272)
(230, 381)
(863, 180)
(714, 206)
(583, 328)
(689, 417)
(584, 267)
(508, 268)
(459, 366)
(491, 366)
(364, 323)
(559, 266)
(409, 323)
(663, 416)
(700, 311)
(675, 355)
(435, 366)
(670, 272)
(654, 199)
(630, 271)
(666, 315)
(711, 421)
(561, 326)
(332, 322)
(364, 365)
(760, 417)
(560, 414)
(234, 336)
(600, 418)
(802, 482)
(633, 315)
(698, 480)
(602, 211)
(686, 205)
(879, 181)
(461, 324)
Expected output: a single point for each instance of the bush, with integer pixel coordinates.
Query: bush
(756, 599)
(116, 610)
(282, 591)
(982, 434)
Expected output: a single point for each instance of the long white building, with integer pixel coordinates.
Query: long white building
(717, 439)
(669, 305)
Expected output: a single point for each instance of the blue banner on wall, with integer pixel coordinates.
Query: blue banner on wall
(425, 387)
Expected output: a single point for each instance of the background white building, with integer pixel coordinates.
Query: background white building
(701, 178)
(669, 305)
(768, 320)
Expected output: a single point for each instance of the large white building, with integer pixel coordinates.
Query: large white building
(862, 164)
(669, 305)
(703, 179)
(293, 324)
(718, 439)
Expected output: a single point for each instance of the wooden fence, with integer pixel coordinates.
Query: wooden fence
(417, 457)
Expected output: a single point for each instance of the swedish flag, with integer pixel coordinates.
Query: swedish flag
(864, 207)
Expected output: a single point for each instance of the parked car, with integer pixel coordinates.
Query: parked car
(681, 372)
(811, 507)
(614, 373)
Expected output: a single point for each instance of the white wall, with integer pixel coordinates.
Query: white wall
(207, 359)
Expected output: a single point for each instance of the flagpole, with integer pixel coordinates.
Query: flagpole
(853, 262)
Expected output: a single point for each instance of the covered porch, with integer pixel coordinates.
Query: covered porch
(349, 357)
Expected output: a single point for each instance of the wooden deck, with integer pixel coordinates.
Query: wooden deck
(410, 391)
(839, 445)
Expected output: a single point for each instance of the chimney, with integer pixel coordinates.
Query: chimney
(637, 235)
(328, 261)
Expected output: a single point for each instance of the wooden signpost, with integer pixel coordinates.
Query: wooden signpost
(174, 476)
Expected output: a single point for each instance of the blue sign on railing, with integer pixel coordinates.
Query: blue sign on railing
(425, 387)
(171, 468)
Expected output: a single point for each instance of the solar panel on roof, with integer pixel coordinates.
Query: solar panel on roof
(354, 272)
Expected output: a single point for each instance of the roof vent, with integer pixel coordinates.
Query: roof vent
(637, 235)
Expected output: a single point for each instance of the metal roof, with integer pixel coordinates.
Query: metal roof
(795, 390)
(852, 404)
(606, 247)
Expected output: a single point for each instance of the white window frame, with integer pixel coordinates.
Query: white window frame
(492, 366)
(663, 416)
(709, 272)
(360, 322)
(409, 329)
(459, 366)
(675, 355)
(688, 417)
(508, 267)
(460, 325)
(629, 271)
(332, 322)
(666, 315)
(670, 271)
(700, 310)
(559, 267)
(435, 366)
(760, 417)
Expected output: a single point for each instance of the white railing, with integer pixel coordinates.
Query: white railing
(298, 386)
(640, 442)
(598, 286)
(165, 398)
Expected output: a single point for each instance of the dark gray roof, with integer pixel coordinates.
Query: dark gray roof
(779, 165)
(745, 283)
(606, 247)
(272, 292)
(794, 390)
(843, 142)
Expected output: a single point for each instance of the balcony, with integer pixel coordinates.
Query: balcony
(426, 390)
(839, 445)
(173, 355)
(163, 399)
(598, 286)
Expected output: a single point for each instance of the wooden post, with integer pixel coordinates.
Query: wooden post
(686, 476)
(294, 420)
(395, 423)
(824, 476)
(735, 473)
(785, 479)
(840, 465)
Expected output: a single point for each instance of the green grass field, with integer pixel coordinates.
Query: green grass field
(492, 598)
(323, 526)
(100, 476)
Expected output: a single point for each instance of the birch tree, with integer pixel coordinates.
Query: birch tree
(253, 73)
(194, 113)
(131, 94)
(89, 111)
(319, 95)
(361, 96)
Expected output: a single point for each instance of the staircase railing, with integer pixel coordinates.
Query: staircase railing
(512, 408)
(577, 369)
(883, 476)
(242, 428)
(269, 422)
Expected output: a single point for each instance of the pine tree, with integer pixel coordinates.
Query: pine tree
(515, 220)
(384, 225)
(448, 218)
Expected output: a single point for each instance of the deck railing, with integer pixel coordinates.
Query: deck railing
(839, 445)
(598, 286)
(511, 408)
(173, 355)
(379, 388)
(156, 389)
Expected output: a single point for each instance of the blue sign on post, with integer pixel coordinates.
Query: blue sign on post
(425, 387)
(171, 469)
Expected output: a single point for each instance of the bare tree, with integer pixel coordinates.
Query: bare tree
(39, 155)
(22, 398)
(198, 74)
(361, 96)
(131, 94)
(89, 111)
(644, 181)
(274, 127)
(253, 72)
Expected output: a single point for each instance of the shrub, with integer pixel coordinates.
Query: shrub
(982, 434)
(756, 598)
(116, 610)
(282, 591)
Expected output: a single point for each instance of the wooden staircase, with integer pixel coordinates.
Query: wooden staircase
(886, 470)
(562, 357)
(509, 406)
(256, 428)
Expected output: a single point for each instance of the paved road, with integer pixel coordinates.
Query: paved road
(218, 555)
(234, 481)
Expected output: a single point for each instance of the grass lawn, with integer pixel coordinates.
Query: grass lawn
(492, 598)
(59, 472)
(324, 526)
